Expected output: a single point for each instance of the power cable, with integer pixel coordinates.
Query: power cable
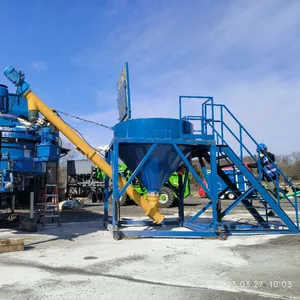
(84, 120)
(79, 133)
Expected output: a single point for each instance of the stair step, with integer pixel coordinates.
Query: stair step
(265, 216)
(222, 156)
(259, 207)
(227, 165)
(51, 206)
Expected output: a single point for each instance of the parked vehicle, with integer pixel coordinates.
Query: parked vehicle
(167, 196)
(84, 180)
(87, 181)
(236, 176)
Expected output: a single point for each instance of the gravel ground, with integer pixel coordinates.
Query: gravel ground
(80, 260)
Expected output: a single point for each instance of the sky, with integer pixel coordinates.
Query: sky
(245, 54)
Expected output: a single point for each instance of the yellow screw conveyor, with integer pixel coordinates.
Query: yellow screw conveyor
(36, 104)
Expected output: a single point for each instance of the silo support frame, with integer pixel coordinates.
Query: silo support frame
(199, 225)
(116, 225)
(113, 158)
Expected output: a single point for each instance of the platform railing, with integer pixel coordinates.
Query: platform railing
(209, 111)
(197, 133)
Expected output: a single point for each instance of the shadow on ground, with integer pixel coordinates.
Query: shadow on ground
(73, 225)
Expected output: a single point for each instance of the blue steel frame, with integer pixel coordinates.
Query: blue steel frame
(209, 105)
(195, 229)
(115, 225)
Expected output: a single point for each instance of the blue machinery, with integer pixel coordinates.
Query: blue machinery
(156, 147)
(27, 144)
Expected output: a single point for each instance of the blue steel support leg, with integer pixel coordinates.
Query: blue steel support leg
(214, 184)
(199, 213)
(232, 185)
(141, 164)
(237, 201)
(192, 170)
(203, 168)
(115, 170)
(174, 189)
(204, 171)
(180, 199)
(106, 193)
(106, 184)
(181, 203)
(296, 208)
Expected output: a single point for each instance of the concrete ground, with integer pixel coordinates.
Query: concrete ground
(80, 260)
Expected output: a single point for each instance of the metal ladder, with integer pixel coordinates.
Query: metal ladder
(214, 122)
(50, 204)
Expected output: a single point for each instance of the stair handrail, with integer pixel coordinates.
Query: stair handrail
(248, 134)
(187, 118)
(260, 167)
(211, 122)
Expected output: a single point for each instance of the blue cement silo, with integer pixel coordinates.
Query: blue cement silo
(152, 149)
(164, 159)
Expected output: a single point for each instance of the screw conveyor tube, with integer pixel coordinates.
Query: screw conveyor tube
(17, 78)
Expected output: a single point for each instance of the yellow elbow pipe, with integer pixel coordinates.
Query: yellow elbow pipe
(151, 210)
(31, 104)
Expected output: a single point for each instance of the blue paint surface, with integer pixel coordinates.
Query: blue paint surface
(25, 148)
(164, 160)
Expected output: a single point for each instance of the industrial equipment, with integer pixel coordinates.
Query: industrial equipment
(84, 180)
(35, 105)
(235, 176)
(167, 194)
(29, 150)
(154, 148)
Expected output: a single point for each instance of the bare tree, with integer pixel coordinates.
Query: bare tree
(295, 169)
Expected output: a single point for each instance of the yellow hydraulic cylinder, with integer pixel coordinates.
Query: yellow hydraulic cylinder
(151, 209)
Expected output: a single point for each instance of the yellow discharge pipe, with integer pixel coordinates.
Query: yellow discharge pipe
(31, 104)
(151, 208)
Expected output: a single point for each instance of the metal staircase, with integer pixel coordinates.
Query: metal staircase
(233, 144)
